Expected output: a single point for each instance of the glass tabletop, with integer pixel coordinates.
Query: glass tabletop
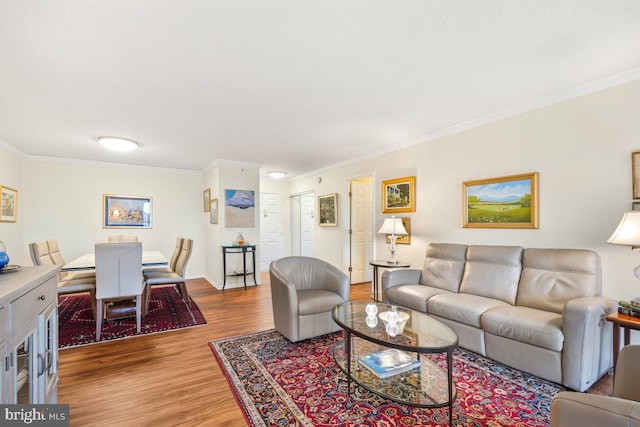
(416, 331)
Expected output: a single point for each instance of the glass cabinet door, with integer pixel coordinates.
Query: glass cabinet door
(47, 355)
(23, 358)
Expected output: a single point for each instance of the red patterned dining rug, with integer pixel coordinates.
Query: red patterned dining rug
(279, 383)
(167, 311)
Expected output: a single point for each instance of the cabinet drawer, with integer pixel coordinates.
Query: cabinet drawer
(29, 305)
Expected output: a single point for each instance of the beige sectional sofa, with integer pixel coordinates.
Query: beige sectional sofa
(537, 310)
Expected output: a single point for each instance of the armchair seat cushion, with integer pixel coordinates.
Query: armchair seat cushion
(527, 325)
(463, 308)
(313, 301)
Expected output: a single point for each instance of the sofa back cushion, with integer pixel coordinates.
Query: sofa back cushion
(551, 277)
(443, 266)
(493, 272)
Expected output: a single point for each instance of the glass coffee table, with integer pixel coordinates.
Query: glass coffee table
(367, 333)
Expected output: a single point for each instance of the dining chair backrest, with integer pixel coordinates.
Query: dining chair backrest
(123, 239)
(183, 258)
(54, 252)
(118, 270)
(176, 253)
(40, 253)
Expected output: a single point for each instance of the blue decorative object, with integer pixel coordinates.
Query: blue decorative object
(4, 258)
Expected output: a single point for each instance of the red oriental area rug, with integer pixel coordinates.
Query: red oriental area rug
(167, 311)
(279, 383)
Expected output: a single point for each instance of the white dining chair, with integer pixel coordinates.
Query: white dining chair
(118, 277)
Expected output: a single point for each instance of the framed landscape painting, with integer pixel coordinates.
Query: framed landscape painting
(399, 195)
(9, 204)
(505, 202)
(239, 208)
(213, 211)
(126, 211)
(206, 199)
(328, 210)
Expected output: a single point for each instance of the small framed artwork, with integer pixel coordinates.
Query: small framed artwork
(399, 195)
(239, 208)
(504, 202)
(635, 171)
(213, 211)
(9, 206)
(206, 199)
(403, 239)
(126, 211)
(328, 210)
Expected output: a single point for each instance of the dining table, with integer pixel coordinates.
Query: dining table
(88, 261)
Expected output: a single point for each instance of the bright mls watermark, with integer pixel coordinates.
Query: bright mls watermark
(34, 415)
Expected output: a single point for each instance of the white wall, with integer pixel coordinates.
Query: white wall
(11, 176)
(582, 150)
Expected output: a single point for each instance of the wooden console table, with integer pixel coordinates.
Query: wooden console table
(627, 323)
(244, 250)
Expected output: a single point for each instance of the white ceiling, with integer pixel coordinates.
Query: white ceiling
(294, 85)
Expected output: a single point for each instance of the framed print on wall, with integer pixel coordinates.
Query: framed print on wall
(504, 202)
(239, 208)
(328, 210)
(9, 204)
(635, 171)
(206, 199)
(126, 211)
(213, 211)
(399, 195)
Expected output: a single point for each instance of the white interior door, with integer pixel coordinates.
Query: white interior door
(271, 235)
(361, 230)
(303, 224)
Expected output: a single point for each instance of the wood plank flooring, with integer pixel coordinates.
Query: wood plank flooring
(172, 378)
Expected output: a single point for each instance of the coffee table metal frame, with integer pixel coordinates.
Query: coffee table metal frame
(421, 335)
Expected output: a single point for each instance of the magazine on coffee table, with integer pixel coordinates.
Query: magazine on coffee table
(387, 363)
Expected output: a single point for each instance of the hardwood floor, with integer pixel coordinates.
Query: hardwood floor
(172, 378)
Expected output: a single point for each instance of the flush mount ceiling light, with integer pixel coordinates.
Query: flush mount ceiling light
(277, 174)
(118, 144)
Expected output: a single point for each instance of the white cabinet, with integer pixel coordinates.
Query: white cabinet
(28, 301)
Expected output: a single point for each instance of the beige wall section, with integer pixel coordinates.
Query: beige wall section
(63, 200)
(581, 148)
(11, 233)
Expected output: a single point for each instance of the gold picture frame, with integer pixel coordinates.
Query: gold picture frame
(328, 210)
(126, 211)
(206, 200)
(399, 195)
(403, 239)
(504, 202)
(635, 174)
(8, 204)
(213, 211)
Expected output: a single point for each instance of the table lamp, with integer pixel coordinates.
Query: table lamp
(393, 227)
(628, 234)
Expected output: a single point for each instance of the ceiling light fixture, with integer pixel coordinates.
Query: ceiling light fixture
(118, 144)
(277, 174)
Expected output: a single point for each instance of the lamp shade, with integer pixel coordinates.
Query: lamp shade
(628, 231)
(392, 225)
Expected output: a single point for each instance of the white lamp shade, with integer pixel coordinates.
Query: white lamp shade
(392, 225)
(628, 231)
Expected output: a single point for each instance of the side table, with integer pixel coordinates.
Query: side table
(384, 264)
(627, 323)
(239, 249)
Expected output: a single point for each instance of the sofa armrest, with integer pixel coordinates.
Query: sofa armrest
(403, 276)
(587, 352)
(580, 409)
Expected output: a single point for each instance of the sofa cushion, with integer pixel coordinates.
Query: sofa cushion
(443, 266)
(551, 277)
(462, 308)
(414, 297)
(527, 325)
(493, 272)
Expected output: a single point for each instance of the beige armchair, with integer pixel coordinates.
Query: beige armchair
(304, 290)
(571, 409)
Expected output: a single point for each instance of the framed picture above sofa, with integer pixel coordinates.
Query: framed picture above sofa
(504, 202)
